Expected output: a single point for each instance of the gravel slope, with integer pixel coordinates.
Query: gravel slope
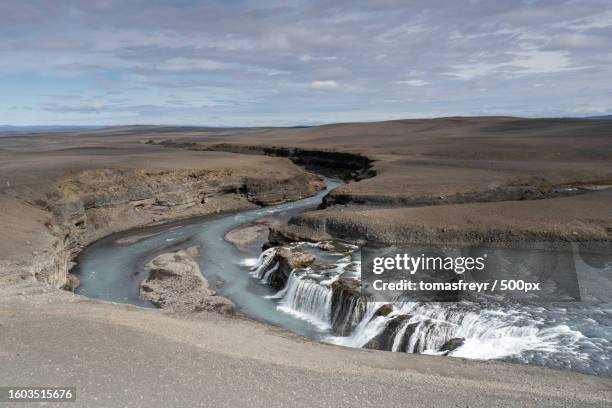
(118, 355)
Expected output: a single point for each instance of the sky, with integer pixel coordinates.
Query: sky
(278, 63)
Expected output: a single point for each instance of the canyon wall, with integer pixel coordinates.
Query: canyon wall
(343, 165)
(47, 223)
(476, 179)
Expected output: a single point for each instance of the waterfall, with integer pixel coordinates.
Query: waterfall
(367, 328)
(487, 334)
(261, 269)
(267, 277)
(327, 294)
(307, 299)
(349, 308)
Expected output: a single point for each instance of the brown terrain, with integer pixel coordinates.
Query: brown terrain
(61, 192)
(451, 178)
(440, 179)
(175, 282)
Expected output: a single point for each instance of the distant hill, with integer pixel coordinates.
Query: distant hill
(43, 128)
(604, 117)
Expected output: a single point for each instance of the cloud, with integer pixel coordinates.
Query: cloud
(324, 85)
(578, 41)
(413, 82)
(523, 63)
(245, 62)
(307, 58)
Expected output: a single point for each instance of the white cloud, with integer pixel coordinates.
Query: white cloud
(276, 62)
(523, 63)
(413, 82)
(602, 19)
(182, 64)
(308, 57)
(324, 85)
(579, 41)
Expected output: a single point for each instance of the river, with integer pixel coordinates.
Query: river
(112, 268)
(572, 336)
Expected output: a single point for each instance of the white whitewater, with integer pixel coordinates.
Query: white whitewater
(308, 300)
(262, 269)
(510, 332)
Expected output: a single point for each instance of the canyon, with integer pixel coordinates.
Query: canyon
(469, 179)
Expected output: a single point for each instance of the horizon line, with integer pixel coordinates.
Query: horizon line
(322, 123)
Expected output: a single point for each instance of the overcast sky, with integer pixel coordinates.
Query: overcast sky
(300, 62)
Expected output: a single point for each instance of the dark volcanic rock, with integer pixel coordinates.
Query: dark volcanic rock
(348, 306)
(385, 339)
(410, 329)
(452, 344)
(331, 163)
(288, 259)
(384, 310)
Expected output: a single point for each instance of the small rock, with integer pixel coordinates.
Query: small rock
(384, 310)
(325, 246)
(452, 344)
(72, 282)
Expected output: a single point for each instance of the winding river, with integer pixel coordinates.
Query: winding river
(112, 268)
(575, 336)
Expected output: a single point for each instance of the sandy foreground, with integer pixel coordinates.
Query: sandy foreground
(119, 355)
(454, 176)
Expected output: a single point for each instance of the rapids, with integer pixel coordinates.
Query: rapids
(574, 336)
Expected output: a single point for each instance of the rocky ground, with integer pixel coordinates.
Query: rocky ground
(473, 177)
(60, 192)
(420, 179)
(250, 235)
(123, 356)
(174, 282)
(585, 217)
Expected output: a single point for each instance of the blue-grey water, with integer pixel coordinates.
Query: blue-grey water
(112, 270)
